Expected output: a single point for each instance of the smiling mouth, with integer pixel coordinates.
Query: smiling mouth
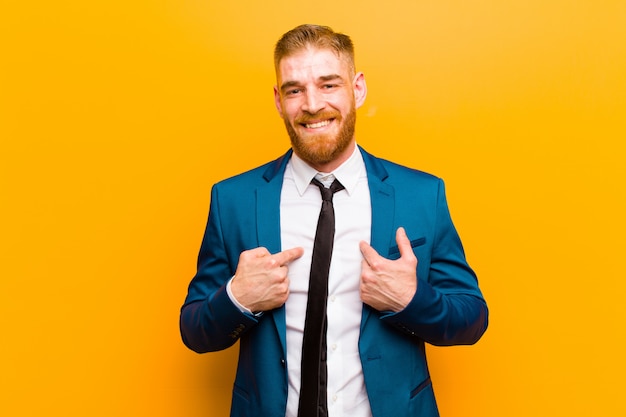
(317, 125)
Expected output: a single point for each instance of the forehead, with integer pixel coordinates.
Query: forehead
(312, 62)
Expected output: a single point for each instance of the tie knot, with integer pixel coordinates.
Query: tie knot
(327, 193)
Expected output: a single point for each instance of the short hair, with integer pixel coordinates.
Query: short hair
(321, 37)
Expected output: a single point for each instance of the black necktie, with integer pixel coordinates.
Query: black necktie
(313, 401)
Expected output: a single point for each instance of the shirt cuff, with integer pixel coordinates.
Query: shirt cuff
(234, 300)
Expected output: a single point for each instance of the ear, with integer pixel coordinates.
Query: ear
(360, 89)
(279, 106)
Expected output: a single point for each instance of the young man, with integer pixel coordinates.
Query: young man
(395, 275)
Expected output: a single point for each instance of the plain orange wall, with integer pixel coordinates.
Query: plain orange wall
(116, 117)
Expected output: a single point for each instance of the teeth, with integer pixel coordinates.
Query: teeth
(317, 125)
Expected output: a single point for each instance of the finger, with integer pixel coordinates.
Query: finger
(288, 255)
(259, 252)
(404, 244)
(251, 255)
(366, 270)
(369, 253)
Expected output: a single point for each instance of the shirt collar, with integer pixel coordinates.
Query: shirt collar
(347, 173)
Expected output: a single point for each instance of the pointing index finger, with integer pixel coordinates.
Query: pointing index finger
(288, 255)
(368, 252)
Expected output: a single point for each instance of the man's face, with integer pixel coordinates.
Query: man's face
(317, 96)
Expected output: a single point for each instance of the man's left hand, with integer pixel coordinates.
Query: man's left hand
(388, 285)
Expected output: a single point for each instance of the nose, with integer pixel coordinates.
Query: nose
(313, 101)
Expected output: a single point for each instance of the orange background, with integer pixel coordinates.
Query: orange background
(116, 117)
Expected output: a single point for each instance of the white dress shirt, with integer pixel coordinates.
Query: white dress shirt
(300, 206)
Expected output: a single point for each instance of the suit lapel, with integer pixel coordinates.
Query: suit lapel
(382, 197)
(268, 225)
(268, 204)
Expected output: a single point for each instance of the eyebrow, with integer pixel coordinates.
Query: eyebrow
(323, 78)
(330, 77)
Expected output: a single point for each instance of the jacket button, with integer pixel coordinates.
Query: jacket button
(282, 362)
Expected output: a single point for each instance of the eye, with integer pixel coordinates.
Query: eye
(328, 86)
(293, 91)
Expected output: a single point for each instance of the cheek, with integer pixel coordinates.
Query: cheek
(343, 104)
(288, 108)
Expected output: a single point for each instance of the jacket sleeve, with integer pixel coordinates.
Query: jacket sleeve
(209, 320)
(448, 307)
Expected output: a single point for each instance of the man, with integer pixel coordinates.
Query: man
(397, 278)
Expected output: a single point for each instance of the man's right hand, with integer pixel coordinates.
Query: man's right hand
(260, 282)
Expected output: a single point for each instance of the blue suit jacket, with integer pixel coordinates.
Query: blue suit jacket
(447, 309)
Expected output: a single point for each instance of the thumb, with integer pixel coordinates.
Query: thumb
(404, 244)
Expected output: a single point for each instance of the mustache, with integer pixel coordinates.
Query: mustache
(307, 117)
